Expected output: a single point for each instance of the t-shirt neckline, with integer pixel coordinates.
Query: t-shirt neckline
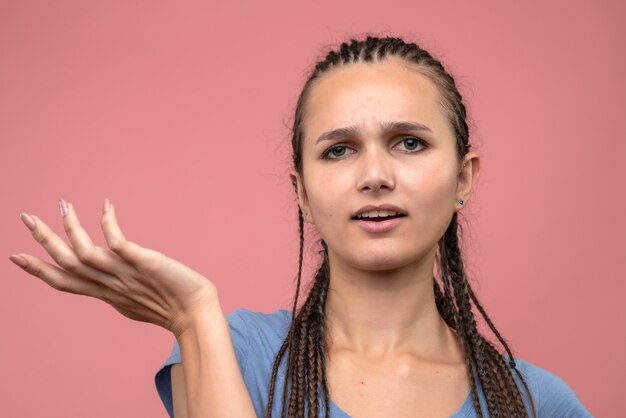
(336, 411)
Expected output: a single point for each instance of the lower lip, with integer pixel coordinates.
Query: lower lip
(379, 226)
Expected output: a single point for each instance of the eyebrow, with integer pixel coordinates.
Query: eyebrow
(385, 127)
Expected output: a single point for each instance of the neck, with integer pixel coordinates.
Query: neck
(380, 313)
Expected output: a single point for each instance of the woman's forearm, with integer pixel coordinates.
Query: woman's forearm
(213, 381)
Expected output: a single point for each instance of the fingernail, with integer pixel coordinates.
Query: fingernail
(106, 206)
(28, 221)
(63, 207)
(19, 261)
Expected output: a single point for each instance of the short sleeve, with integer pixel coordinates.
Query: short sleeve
(240, 339)
(557, 399)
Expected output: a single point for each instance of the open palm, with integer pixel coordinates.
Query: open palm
(141, 283)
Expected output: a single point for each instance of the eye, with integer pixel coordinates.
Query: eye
(413, 143)
(336, 151)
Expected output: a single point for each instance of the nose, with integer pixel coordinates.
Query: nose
(376, 171)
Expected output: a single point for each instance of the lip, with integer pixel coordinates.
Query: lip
(384, 206)
(379, 226)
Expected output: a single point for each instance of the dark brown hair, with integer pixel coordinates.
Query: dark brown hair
(305, 342)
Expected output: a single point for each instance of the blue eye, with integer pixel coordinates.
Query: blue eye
(335, 148)
(412, 143)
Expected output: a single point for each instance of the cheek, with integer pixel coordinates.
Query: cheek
(324, 206)
(432, 191)
(326, 195)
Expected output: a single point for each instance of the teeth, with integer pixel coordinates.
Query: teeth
(376, 214)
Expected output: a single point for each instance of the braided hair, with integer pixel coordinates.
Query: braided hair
(305, 341)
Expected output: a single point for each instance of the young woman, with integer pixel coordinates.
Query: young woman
(382, 167)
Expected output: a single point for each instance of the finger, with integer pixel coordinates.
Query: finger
(70, 283)
(64, 255)
(58, 278)
(101, 258)
(132, 253)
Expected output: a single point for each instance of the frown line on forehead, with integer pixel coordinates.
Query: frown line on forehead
(385, 127)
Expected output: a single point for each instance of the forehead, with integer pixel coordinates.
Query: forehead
(366, 94)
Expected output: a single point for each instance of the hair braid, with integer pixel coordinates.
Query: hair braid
(320, 340)
(501, 392)
(312, 354)
(450, 278)
(460, 285)
(303, 370)
(445, 308)
(305, 341)
(313, 343)
(306, 329)
(504, 344)
(308, 332)
(289, 338)
(315, 337)
(299, 388)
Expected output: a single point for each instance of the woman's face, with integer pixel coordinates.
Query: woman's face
(365, 160)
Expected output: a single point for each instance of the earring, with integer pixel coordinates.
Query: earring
(461, 202)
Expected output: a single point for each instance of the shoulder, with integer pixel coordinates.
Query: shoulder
(249, 327)
(257, 333)
(256, 338)
(276, 320)
(261, 335)
(259, 324)
(552, 396)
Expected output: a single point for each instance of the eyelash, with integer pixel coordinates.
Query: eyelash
(419, 140)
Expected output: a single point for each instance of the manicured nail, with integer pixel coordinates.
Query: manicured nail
(106, 206)
(28, 221)
(19, 261)
(63, 207)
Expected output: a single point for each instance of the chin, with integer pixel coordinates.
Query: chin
(380, 262)
(387, 257)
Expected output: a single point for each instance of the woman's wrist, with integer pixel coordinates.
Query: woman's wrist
(204, 312)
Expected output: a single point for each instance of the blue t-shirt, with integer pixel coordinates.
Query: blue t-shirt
(257, 337)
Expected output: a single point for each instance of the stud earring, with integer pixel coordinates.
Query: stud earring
(462, 202)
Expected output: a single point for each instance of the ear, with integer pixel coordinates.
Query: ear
(467, 178)
(298, 185)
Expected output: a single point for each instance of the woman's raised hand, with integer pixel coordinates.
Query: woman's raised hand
(140, 283)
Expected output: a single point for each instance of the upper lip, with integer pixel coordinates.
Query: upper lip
(384, 206)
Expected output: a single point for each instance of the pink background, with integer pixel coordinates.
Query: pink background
(179, 112)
